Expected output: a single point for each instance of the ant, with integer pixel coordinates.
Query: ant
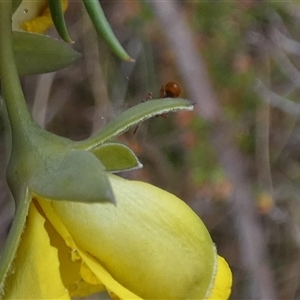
(170, 90)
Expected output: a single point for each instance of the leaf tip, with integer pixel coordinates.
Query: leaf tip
(130, 59)
(69, 40)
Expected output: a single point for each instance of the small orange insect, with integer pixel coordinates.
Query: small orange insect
(170, 90)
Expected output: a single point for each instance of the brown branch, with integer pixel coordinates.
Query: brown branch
(190, 63)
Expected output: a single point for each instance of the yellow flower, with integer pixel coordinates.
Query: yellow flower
(34, 16)
(150, 245)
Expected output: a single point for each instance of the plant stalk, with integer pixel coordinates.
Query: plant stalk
(16, 118)
(18, 114)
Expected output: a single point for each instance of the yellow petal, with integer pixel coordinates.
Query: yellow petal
(43, 267)
(223, 281)
(34, 16)
(150, 245)
(27, 10)
(35, 273)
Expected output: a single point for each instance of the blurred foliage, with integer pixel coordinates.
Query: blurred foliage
(237, 40)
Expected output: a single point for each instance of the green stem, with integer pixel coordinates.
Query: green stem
(11, 244)
(17, 110)
(18, 119)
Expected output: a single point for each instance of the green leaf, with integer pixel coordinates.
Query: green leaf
(72, 176)
(117, 157)
(36, 53)
(57, 15)
(103, 28)
(132, 117)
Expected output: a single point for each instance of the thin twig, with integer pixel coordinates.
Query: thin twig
(40, 103)
(287, 44)
(276, 100)
(285, 64)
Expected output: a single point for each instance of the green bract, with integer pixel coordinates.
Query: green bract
(36, 53)
(75, 169)
(116, 157)
(133, 116)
